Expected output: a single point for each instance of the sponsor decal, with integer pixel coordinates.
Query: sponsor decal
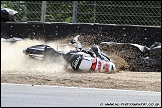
(75, 63)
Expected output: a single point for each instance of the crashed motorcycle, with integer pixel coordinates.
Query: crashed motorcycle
(47, 53)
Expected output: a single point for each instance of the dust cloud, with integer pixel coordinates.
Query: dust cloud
(14, 61)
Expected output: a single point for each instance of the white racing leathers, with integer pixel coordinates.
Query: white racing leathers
(88, 63)
(84, 63)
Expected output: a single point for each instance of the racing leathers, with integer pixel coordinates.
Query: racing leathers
(98, 61)
(89, 63)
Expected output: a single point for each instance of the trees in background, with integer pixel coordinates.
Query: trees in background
(106, 12)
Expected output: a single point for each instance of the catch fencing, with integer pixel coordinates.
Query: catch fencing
(146, 13)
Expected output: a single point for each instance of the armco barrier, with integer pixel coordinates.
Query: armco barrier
(144, 35)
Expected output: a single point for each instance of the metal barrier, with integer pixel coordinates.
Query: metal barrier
(91, 33)
(104, 12)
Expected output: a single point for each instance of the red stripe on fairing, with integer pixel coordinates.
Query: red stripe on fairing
(107, 66)
(99, 65)
(93, 65)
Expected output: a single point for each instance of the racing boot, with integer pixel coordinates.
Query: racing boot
(99, 54)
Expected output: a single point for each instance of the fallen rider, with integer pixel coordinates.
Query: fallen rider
(98, 61)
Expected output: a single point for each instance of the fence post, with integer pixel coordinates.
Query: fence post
(94, 12)
(74, 11)
(43, 12)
